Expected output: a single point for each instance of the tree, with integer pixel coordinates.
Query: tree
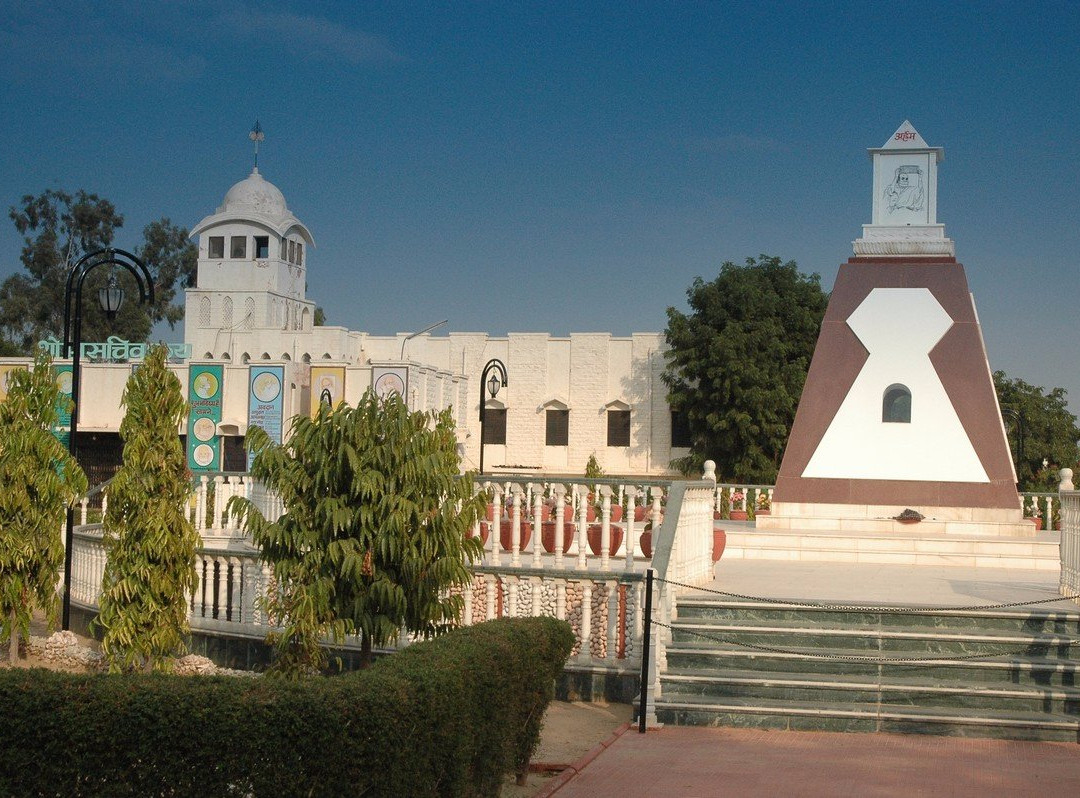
(58, 228)
(149, 542)
(375, 531)
(1050, 431)
(738, 361)
(40, 481)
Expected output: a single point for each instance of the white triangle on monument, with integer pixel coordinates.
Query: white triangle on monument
(906, 137)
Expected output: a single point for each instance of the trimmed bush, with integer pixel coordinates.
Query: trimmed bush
(449, 717)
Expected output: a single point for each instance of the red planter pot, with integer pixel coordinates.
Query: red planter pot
(485, 530)
(506, 533)
(547, 536)
(595, 535)
(641, 512)
(719, 541)
(1037, 521)
(646, 541)
(737, 515)
(616, 513)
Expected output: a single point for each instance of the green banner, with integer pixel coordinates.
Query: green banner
(62, 429)
(205, 383)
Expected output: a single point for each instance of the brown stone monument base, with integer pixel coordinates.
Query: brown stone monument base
(854, 519)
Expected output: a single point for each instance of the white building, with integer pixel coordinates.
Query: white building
(566, 398)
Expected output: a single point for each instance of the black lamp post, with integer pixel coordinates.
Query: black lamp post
(493, 385)
(111, 297)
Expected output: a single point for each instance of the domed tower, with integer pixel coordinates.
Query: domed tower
(252, 269)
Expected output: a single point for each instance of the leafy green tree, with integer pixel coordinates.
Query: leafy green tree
(738, 361)
(40, 480)
(58, 228)
(150, 544)
(374, 534)
(1050, 431)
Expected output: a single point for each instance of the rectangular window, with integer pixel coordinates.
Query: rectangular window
(680, 430)
(292, 252)
(558, 428)
(618, 428)
(238, 247)
(299, 253)
(495, 425)
(217, 247)
(284, 249)
(262, 247)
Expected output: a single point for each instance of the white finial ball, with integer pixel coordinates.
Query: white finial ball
(1066, 483)
(710, 470)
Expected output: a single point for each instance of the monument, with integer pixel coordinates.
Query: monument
(899, 410)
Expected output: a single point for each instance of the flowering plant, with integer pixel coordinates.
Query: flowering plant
(763, 502)
(737, 499)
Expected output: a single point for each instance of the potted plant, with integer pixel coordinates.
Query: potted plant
(764, 504)
(506, 532)
(595, 535)
(547, 536)
(738, 506)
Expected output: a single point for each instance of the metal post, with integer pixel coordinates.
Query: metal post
(646, 628)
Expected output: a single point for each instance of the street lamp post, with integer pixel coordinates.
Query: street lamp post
(493, 384)
(110, 297)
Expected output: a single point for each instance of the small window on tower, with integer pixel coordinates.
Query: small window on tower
(238, 247)
(262, 247)
(284, 249)
(292, 252)
(896, 404)
(299, 253)
(216, 248)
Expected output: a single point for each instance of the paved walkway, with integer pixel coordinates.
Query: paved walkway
(690, 762)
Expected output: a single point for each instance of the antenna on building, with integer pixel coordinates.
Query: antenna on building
(257, 135)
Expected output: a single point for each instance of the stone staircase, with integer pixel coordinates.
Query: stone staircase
(890, 548)
(1028, 688)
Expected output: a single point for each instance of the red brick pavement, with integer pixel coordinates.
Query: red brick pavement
(682, 762)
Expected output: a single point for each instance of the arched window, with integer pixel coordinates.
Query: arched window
(226, 312)
(249, 312)
(896, 404)
(204, 312)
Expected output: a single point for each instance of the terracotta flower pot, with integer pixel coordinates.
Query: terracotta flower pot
(547, 536)
(1037, 521)
(719, 541)
(737, 515)
(595, 534)
(506, 533)
(763, 512)
(485, 530)
(641, 512)
(491, 512)
(616, 513)
(646, 541)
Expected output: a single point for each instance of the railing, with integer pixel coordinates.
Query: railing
(1069, 548)
(591, 575)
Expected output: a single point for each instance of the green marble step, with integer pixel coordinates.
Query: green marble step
(800, 687)
(1032, 670)
(765, 713)
(893, 641)
(1032, 621)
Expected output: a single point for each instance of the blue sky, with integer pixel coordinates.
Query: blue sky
(567, 166)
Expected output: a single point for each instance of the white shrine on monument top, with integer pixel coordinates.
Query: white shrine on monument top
(905, 200)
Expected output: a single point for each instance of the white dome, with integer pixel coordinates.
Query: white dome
(254, 194)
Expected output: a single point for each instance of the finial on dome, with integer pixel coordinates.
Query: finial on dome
(257, 135)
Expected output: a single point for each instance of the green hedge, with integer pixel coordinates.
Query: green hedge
(447, 717)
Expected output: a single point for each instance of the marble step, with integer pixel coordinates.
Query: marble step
(1046, 671)
(777, 714)
(896, 642)
(925, 548)
(702, 607)
(898, 692)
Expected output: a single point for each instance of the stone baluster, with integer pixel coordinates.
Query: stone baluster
(84, 506)
(249, 591)
(1049, 512)
(222, 603)
(515, 525)
(657, 494)
(560, 520)
(491, 587)
(200, 504)
(494, 555)
(537, 585)
(512, 597)
(583, 524)
(537, 523)
(236, 604)
(200, 587)
(466, 610)
(104, 505)
(218, 491)
(586, 620)
(605, 527)
(560, 599)
(631, 527)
